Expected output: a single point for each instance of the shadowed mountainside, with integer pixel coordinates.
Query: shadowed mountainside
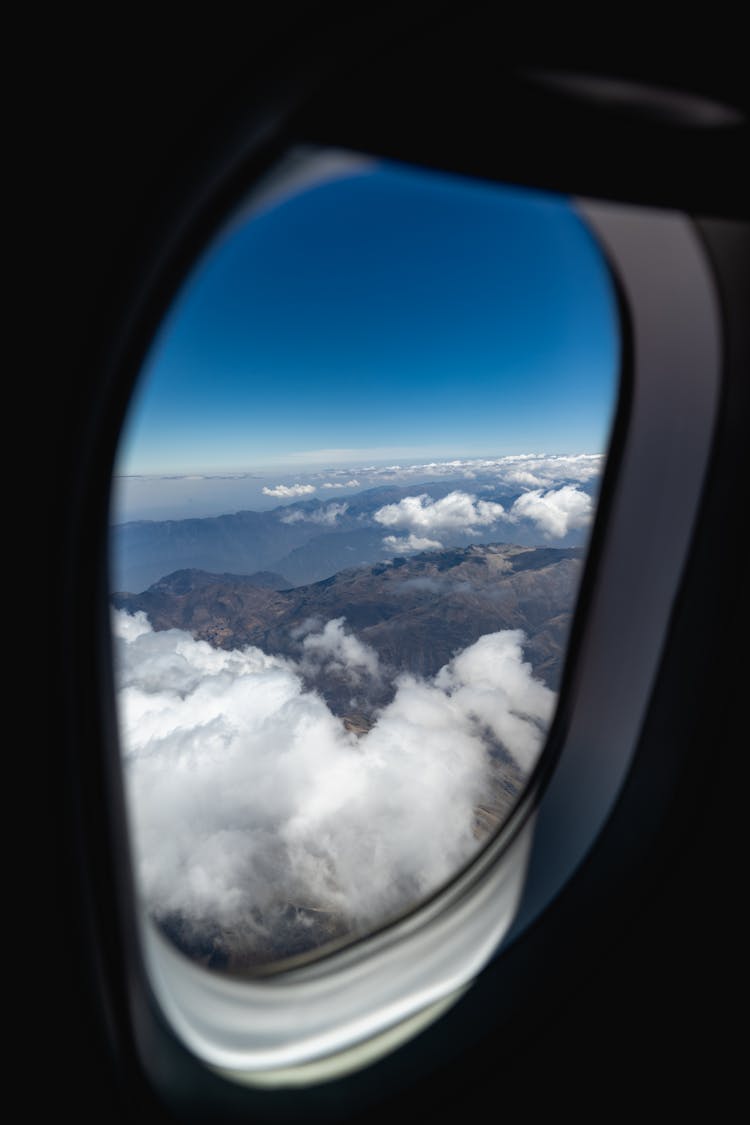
(416, 613)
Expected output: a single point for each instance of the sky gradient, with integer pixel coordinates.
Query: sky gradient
(389, 313)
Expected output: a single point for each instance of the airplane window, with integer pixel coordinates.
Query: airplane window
(350, 513)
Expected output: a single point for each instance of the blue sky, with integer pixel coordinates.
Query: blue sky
(392, 313)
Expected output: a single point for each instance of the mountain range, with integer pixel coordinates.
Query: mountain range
(416, 612)
(409, 615)
(304, 541)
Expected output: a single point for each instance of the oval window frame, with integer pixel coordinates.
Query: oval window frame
(255, 1033)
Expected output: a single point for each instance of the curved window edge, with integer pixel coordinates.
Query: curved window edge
(676, 359)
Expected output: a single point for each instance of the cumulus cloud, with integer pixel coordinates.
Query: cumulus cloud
(347, 484)
(458, 512)
(326, 516)
(249, 798)
(410, 543)
(556, 512)
(334, 650)
(286, 490)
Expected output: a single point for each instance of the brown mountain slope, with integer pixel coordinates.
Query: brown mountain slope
(415, 613)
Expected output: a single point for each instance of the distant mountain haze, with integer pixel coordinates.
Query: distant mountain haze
(312, 539)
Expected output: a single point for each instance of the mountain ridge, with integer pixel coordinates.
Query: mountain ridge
(414, 612)
(306, 540)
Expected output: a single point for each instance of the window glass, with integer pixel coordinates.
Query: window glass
(351, 504)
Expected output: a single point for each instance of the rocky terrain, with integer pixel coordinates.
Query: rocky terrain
(414, 612)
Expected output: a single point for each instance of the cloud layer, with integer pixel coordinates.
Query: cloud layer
(248, 797)
(527, 470)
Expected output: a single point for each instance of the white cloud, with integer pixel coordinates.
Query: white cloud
(490, 682)
(410, 543)
(246, 793)
(334, 650)
(287, 490)
(524, 477)
(545, 471)
(556, 512)
(347, 484)
(326, 516)
(530, 470)
(458, 512)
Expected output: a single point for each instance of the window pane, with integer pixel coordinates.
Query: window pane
(351, 504)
